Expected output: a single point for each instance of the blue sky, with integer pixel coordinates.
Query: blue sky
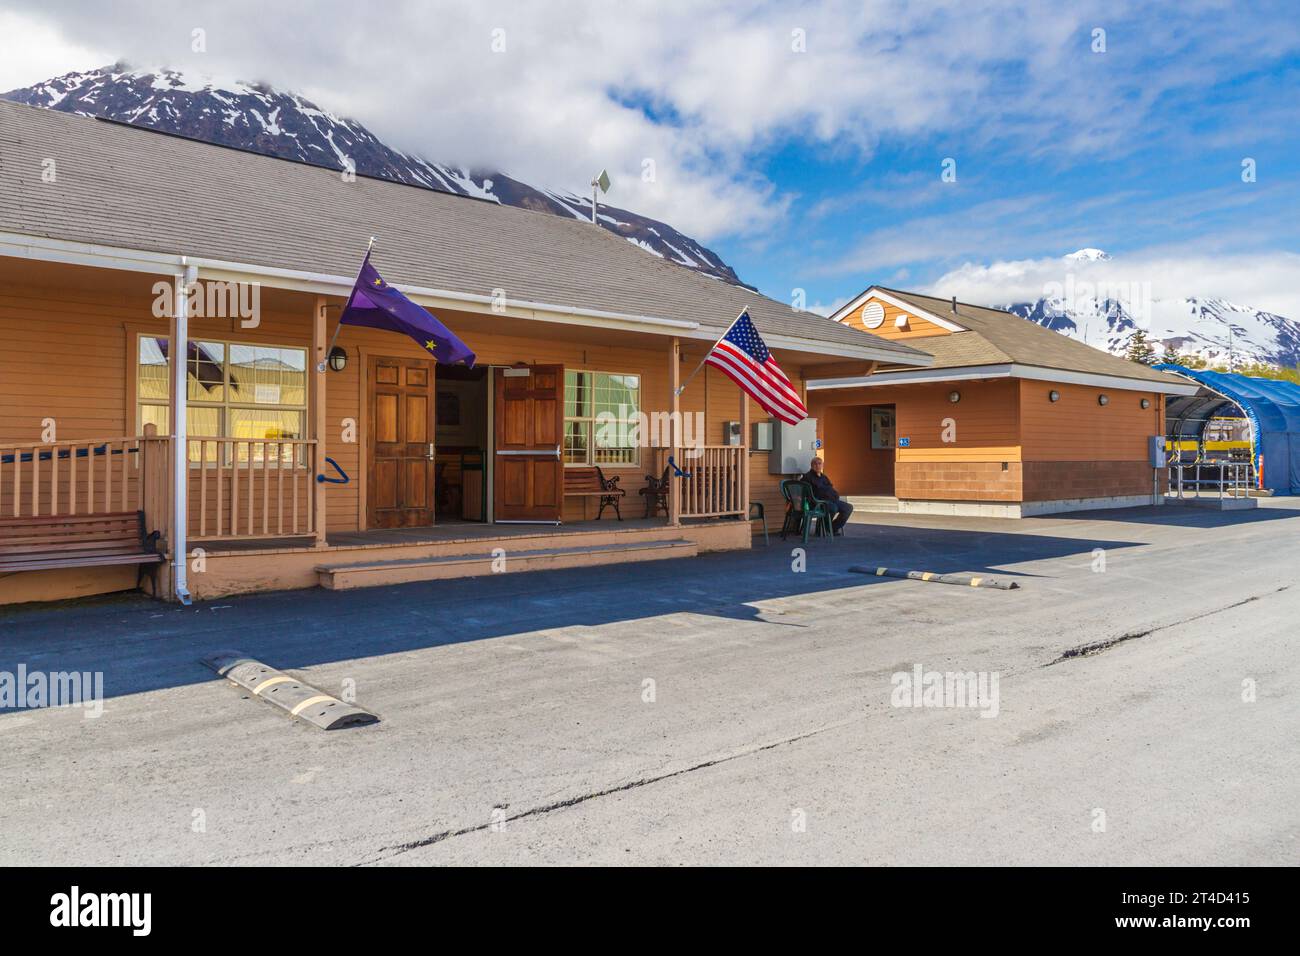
(804, 142)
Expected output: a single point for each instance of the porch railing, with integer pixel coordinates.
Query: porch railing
(84, 476)
(713, 488)
(251, 487)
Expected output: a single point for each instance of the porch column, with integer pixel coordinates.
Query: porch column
(178, 355)
(319, 371)
(742, 479)
(674, 435)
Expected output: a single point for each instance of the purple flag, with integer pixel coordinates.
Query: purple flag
(377, 305)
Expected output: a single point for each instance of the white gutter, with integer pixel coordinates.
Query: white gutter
(134, 260)
(1007, 370)
(180, 438)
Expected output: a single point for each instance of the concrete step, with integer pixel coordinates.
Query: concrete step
(873, 503)
(339, 577)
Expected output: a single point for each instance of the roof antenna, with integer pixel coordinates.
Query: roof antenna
(954, 305)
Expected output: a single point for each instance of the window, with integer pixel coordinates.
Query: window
(882, 428)
(234, 391)
(601, 418)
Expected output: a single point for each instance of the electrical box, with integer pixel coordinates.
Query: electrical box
(731, 433)
(793, 447)
(1156, 444)
(760, 438)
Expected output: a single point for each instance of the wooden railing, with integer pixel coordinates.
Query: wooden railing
(713, 488)
(87, 476)
(78, 477)
(251, 487)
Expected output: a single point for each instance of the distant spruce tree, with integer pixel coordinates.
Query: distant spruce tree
(1140, 349)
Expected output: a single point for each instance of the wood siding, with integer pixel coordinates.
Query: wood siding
(70, 337)
(916, 328)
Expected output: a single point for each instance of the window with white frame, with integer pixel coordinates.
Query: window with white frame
(601, 417)
(234, 390)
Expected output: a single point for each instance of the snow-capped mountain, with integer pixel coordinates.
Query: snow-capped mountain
(1207, 328)
(257, 118)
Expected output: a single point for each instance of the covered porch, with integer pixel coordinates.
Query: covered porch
(243, 507)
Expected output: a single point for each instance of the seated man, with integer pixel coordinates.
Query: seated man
(825, 491)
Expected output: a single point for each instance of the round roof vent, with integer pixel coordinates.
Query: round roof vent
(873, 316)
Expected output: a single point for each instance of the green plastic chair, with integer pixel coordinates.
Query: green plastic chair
(804, 511)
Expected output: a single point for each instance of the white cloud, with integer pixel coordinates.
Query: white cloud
(1263, 281)
(703, 90)
(32, 50)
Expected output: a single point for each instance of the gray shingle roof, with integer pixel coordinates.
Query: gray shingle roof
(997, 337)
(131, 188)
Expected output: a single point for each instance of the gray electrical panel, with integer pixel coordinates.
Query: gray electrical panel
(793, 447)
(731, 433)
(760, 438)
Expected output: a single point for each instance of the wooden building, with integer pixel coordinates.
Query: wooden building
(1011, 419)
(139, 271)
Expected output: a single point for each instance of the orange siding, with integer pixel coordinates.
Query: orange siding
(1077, 428)
(916, 327)
(70, 342)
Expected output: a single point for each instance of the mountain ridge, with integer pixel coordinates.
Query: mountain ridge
(258, 118)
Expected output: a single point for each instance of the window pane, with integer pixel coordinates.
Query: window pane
(154, 415)
(206, 366)
(261, 375)
(577, 394)
(264, 423)
(616, 456)
(152, 379)
(617, 395)
(576, 442)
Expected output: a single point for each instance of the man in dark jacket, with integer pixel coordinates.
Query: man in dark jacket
(825, 491)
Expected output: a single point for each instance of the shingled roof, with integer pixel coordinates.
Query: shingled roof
(130, 188)
(996, 337)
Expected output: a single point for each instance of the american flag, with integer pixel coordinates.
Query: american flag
(742, 355)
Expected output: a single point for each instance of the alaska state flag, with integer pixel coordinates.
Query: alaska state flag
(377, 305)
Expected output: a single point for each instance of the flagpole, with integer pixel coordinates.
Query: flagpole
(681, 388)
(320, 366)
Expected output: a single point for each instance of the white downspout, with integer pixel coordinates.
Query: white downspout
(180, 439)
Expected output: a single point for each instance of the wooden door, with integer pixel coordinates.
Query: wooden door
(528, 470)
(400, 445)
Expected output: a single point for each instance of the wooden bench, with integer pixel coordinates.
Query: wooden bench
(79, 541)
(592, 483)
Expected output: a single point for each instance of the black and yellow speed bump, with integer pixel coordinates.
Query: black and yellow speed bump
(966, 580)
(288, 693)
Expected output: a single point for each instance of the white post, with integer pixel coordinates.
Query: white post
(180, 438)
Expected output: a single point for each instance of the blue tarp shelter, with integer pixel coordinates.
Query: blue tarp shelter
(1272, 407)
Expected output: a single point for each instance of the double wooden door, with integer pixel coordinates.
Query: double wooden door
(528, 461)
(401, 448)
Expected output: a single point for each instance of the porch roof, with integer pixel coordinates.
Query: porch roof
(126, 189)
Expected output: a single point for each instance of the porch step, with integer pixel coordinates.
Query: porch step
(873, 503)
(340, 577)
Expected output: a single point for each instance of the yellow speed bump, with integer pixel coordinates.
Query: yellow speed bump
(288, 693)
(967, 580)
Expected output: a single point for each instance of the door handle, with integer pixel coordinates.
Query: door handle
(430, 455)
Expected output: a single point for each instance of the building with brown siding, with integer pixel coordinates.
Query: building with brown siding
(1010, 420)
(101, 224)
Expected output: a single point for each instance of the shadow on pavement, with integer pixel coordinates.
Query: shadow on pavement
(141, 645)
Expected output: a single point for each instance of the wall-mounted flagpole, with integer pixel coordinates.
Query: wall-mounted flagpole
(681, 388)
(320, 367)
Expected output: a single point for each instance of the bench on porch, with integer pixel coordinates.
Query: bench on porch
(78, 541)
(592, 483)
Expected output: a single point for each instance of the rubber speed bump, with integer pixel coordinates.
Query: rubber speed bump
(966, 580)
(288, 693)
